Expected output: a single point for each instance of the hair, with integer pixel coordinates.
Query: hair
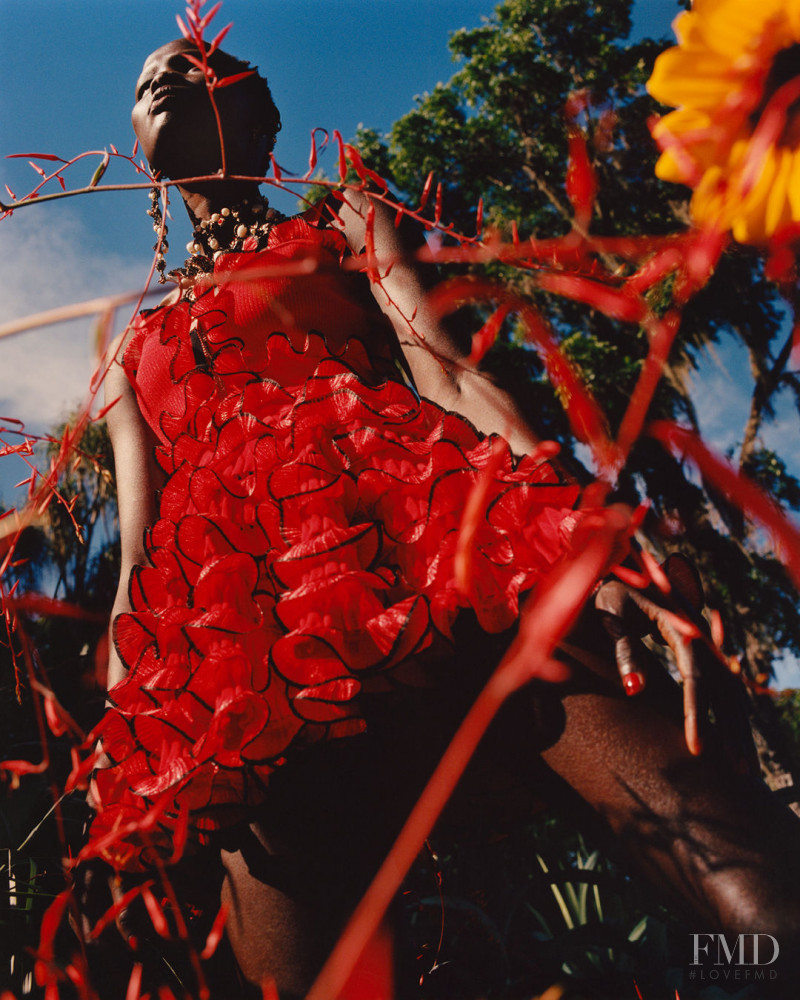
(270, 117)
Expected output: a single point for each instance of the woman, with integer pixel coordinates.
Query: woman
(289, 509)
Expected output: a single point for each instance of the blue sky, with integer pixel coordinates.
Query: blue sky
(67, 74)
(68, 68)
(67, 71)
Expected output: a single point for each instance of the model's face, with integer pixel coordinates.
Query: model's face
(174, 120)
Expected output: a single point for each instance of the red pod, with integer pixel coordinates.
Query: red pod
(155, 912)
(487, 335)
(216, 932)
(218, 38)
(364, 173)
(581, 183)
(206, 19)
(226, 81)
(474, 512)
(423, 198)
(134, 989)
(337, 135)
(616, 303)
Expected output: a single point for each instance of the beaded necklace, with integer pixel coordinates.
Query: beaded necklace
(225, 232)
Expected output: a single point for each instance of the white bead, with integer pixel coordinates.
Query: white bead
(225, 211)
(192, 247)
(241, 231)
(215, 217)
(213, 243)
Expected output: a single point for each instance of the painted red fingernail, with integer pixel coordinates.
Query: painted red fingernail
(633, 682)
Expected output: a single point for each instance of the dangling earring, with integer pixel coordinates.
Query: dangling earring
(160, 248)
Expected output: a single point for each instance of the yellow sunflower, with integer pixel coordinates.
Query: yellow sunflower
(734, 77)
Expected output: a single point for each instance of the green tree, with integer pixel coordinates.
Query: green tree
(497, 132)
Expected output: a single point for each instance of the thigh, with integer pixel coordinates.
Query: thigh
(709, 837)
(295, 874)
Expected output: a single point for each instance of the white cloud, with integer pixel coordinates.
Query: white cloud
(787, 672)
(44, 373)
(721, 392)
(721, 395)
(46, 262)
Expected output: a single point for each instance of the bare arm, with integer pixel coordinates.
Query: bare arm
(137, 478)
(441, 373)
(437, 362)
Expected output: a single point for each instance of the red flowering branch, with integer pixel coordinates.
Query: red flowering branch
(586, 418)
(581, 183)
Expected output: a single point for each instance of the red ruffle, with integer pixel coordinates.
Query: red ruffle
(304, 552)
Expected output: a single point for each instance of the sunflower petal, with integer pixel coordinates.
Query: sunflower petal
(697, 78)
(686, 138)
(793, 186)
(717, 76)
(731, 27)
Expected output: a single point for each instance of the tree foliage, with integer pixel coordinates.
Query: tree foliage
(497, 132)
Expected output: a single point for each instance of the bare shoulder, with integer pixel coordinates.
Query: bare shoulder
(119, 393)
(116, 380)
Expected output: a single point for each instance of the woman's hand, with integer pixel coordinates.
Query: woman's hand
(628, 615)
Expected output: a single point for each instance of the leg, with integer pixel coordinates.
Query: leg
(294, 876)
(706, 836)
(272, 932)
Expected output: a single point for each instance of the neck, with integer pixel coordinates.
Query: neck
(203, 200)
(234, 227)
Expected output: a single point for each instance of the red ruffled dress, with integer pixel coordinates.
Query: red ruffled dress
(305, 541)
